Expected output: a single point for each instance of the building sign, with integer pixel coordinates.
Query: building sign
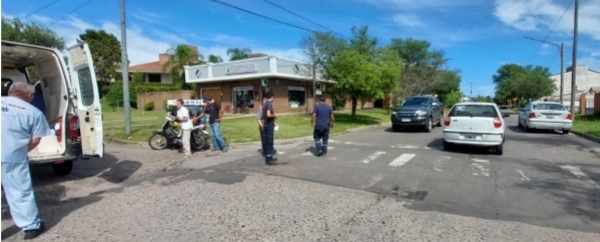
(248, 67)
(296, 88)
(247, 88)
(187, 102)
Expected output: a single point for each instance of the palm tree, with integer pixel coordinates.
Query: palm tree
(214, 59)
(180, 56)
(238, 54)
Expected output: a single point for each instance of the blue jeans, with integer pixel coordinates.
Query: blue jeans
(263, 141)
(321, 136)
(217, 139)
(16, 181)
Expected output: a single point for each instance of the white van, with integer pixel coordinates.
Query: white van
(70, 92)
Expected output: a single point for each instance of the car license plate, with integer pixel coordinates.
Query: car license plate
(469, 136)
(550, 116)
(405, 120)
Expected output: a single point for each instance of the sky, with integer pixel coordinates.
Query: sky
(477, 36)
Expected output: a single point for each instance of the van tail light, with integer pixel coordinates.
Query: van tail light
(447, 121)
(58, 131)
(497, 122)
(73, 127)
(532, 115)
(570, 116)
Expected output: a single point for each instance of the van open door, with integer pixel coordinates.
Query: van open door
(85, 90)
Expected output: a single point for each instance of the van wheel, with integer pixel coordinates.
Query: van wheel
(63, 169)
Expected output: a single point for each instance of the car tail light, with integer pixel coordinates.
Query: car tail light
(497, 122)
(532, 115)
(570, 116)
(447, 121)
(73, 127)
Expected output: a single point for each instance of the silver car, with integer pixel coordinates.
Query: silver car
(546, 115)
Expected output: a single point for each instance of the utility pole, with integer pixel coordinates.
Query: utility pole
(314, 67)
(471, 90)
(574, 67)
(125, 71)
(561, 48)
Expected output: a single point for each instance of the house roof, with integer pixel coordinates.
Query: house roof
(595, 89)
(150, 67)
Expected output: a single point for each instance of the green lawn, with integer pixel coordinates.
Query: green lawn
(236, 130)
(589, 124)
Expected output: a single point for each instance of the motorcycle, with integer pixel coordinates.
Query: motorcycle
(171, 133)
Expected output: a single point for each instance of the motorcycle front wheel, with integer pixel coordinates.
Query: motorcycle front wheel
(157, 142)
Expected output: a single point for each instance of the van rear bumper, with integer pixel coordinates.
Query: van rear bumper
(72, 152)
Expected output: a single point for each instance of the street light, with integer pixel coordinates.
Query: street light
(562, 62)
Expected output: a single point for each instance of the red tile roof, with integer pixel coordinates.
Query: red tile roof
(151, 67)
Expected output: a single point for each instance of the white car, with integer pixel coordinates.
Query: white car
(475, 124)
(546, 115)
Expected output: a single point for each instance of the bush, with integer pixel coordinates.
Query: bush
(149, 106)
(115, 95)
(169, 108)
(451, 98)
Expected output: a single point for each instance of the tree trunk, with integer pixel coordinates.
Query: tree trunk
(354, 103)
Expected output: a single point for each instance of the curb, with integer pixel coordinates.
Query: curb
(586, 136)
(258, 143)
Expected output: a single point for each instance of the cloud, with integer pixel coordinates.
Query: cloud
(422, 4)
(409, 20)
(536, 15)
(144, 43)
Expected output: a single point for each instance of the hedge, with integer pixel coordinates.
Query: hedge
(115, 95)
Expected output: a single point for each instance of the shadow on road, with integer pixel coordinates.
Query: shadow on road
(517, 129)
(460, 149)
(407, 130)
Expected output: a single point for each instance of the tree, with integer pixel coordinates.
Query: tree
(180, 56)
(421, 69)
(31, 33)
(238, 54)
(449, 82)
(106, 53)
(360, 68)
(214, 59)
(522, 82)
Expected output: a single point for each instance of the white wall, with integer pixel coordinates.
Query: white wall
(585, 80)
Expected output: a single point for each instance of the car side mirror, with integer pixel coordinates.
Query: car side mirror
(505, 115)
(435, 104)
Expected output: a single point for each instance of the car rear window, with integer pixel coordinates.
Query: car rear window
(549, 106)
(473, 111)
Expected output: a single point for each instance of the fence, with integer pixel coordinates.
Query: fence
(160, 98)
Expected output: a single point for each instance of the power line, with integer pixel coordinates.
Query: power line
(40, 9)
(553, 59)
(75, 10)
(297, 15)
(262, 16)
(551, 30)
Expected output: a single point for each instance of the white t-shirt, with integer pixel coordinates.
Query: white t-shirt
(181, 113)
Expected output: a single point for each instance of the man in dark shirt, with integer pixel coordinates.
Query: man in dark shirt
(269, 125)
(323, 114)
(215, 113)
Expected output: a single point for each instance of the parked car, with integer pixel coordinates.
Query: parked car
(418, 111)
(475, 124)
(546, 115)
(70, 92)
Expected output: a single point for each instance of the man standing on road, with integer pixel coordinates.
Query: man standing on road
(261, 128)
(269, 126)
(323, 114)
(23, 126)
(183, 116)
(215, 113)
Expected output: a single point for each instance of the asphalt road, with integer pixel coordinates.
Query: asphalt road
(544, 178)
(402, 188)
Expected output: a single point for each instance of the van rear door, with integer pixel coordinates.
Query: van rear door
(85, 89)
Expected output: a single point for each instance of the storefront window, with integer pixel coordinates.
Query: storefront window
(296, 97)
(243, 97)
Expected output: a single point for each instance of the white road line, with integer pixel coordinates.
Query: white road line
(401, 160)
(280, 152)
(330, 147)
(481, 161)
(333, 141)
(355, 143)
(578, 173)
(374, 156)
(523, 177)
(427, 148)
(438, 162)
(414, 147)
(484, 171)
(308, 153)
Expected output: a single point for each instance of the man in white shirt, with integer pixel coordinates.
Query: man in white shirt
(183, 116)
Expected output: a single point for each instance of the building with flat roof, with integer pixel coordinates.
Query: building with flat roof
(243, 83)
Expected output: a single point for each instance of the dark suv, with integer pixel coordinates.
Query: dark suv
(418, 111)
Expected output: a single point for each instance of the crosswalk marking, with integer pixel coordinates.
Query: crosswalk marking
(523, 177)
(401, 160)
(333, 141)
(310, 153)
(579, 174)
(374, 156)
(414, 147)
(355, 143)
(438, 162)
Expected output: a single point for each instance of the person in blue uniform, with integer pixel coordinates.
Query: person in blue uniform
(323, 115)
(23, 127)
